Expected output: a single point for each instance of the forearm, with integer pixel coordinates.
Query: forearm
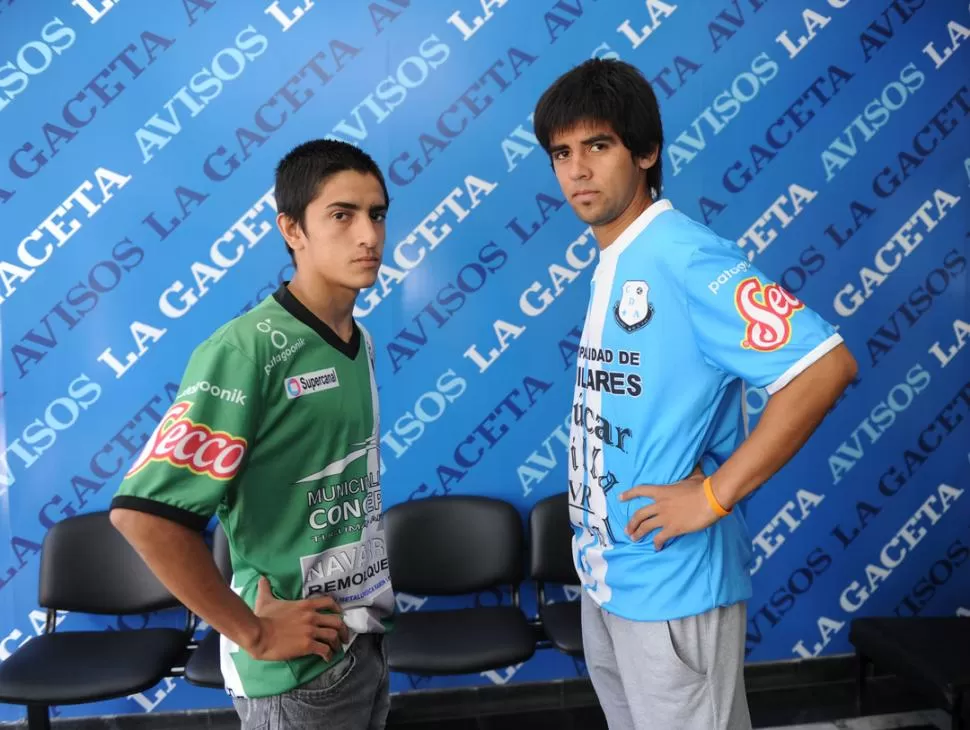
(183, 563)
(789, 419)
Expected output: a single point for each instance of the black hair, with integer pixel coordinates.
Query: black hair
(304, 168)
(610, 91)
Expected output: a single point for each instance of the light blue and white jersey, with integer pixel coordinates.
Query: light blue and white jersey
(678, 321)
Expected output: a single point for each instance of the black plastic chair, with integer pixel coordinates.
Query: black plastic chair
(448, 546)
(203, 668)
(552, 562)
(87, 566)
(932, 653)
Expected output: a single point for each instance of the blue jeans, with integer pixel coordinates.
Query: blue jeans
(351, 695)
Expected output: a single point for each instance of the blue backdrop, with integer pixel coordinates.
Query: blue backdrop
(831, 139)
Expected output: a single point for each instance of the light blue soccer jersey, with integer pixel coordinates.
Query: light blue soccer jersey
(678, 320)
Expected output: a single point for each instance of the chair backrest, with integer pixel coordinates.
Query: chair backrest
(550, 546)
(220, 552)
(86, 565)
(452, 545)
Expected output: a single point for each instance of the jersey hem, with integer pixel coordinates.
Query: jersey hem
(701, 608)
(184, 517)
(803, 363)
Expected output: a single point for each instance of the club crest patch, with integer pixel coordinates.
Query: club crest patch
(633, 310)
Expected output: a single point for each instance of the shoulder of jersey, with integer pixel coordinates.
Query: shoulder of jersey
(242, 334)
(682, 236)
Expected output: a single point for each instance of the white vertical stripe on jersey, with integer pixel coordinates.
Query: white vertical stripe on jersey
(597, 540)
(227, 664)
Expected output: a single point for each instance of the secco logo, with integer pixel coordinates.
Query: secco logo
(769, 326)
(195, 446)
(311, 383)
(726, 276)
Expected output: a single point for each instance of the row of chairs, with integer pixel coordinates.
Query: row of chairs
(439, 546)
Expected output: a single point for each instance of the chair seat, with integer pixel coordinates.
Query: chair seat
(85, 666)
(935, 650)
(563, 625)
(203, 667)
(462, 641)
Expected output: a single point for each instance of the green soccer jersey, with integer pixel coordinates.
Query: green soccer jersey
(276, 430)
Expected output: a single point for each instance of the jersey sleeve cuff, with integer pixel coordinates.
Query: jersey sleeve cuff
(187, 518)
(799, 367)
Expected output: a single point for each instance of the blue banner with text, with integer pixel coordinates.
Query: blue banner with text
(829, 138)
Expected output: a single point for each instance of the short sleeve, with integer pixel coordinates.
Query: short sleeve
(747, 325)
(200, 446)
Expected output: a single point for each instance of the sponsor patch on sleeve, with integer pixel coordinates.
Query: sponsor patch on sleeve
(767, 311)
(193, 446)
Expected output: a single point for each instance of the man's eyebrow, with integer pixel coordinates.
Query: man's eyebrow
(599, 138)
(604, 137)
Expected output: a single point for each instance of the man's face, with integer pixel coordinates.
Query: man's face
(598, 175)
(342, 239)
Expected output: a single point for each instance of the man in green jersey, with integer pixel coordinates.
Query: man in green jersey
(275, 430)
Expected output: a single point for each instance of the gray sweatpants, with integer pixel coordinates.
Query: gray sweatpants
(685, 674)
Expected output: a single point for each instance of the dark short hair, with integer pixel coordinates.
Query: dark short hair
(610, 91)
(304, 168)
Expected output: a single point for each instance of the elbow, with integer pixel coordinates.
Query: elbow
(123, 520)
(845, 368)
(850, 368)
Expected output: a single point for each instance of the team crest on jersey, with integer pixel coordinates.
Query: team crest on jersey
(767, 311)
(633, 309)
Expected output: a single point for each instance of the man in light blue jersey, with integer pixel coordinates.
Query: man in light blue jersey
(678, 321)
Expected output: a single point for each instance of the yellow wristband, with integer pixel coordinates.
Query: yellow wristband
(712, 500)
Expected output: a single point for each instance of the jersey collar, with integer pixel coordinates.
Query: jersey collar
(294, 306)
(611, 252)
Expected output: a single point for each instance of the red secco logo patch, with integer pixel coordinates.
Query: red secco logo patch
(193, 446)
(767, 311)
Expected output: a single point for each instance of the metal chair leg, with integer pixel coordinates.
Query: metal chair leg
(38, 717)
(862, 666)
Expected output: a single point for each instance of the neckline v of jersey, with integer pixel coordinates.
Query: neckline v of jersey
(635, 228)
(294, 306)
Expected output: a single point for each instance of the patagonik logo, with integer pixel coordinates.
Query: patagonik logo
(194, 446)
(767, 310)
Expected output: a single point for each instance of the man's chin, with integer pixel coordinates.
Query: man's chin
(584, 214)
(354, 282)
(365, 282)
(588, 216)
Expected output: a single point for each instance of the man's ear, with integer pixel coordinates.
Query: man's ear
(292, 231)
(650, 160)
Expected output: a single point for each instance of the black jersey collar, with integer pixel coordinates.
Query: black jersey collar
(295, 307)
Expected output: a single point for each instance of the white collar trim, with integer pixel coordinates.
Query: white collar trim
(635, 229)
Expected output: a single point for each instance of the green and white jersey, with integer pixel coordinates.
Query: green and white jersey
(276, 430)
